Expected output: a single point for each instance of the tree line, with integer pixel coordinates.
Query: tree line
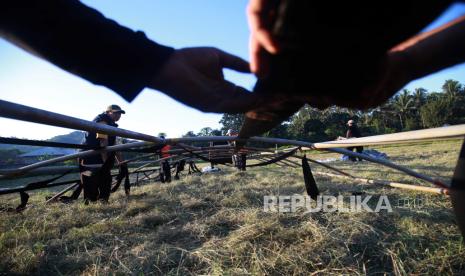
(407, 110)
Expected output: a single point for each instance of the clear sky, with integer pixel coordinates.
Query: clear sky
(28, 80)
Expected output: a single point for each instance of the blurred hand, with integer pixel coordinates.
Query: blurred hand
(195, 77)
(260, 14)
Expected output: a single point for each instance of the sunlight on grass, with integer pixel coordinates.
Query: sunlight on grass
(215, 224)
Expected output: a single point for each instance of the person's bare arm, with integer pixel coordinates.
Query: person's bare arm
(103, 142)
(119, 157)
(416, 57)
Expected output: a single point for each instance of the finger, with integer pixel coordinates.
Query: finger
(259, 24)
(266, 40)
(254, 52)
(259, 62)
(231, 98)
(233, 62)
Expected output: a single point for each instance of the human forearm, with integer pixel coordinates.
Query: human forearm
(434, 50)
(103, 144)
(82, 41)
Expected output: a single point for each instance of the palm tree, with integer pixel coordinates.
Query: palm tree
(452, 89)
(419, 99)
(403, 103)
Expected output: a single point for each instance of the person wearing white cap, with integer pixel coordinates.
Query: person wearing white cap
(353, 132)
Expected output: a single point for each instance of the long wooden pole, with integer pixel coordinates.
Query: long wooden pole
(35, 115)
(391, 184)
(81, 154)
(457, 131)
(62, 192)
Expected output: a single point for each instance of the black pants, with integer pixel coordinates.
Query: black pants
(240, 161)
(96, 182)
(359, 150)
(165, 172)
(179, 168)
(96, 185)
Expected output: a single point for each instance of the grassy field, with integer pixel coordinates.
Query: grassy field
(215, 224)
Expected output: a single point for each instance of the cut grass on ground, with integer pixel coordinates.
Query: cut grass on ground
(215, 224)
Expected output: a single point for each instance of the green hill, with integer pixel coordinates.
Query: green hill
(9, 153)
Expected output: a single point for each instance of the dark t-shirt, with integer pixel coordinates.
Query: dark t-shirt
(353, 132)
(92, 140)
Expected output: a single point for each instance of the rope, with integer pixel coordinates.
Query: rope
(35, 185)
(276, 159)
(200, 156)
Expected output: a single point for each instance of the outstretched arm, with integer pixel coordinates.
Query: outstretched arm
(82, 41)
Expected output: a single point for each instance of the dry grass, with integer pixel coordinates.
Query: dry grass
(215, 224)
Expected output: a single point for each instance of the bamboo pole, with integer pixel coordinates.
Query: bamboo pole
(35, 115)
(329, 167)
(391, 184)
(43, 171)
(457, 131)
(54, 170)
(53, 198)
(27, 168)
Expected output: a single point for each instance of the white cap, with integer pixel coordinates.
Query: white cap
(350, 122)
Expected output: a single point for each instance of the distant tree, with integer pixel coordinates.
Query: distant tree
(206, 131)
(280, 131)
(298, 126)
(454, 92)
(452, 89)
(190, 133)
(436, 112)
(403, 104)
(216, 132)
(231, 121)
(419, 99)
